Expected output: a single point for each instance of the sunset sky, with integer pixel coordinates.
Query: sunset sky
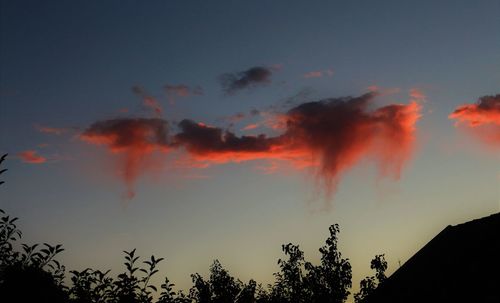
(196, 130)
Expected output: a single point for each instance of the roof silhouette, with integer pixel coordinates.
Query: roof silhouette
(460, 264)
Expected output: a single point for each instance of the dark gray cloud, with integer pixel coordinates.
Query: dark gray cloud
(200, 139)
(255, 76)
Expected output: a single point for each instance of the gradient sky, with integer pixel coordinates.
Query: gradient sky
(68, 64)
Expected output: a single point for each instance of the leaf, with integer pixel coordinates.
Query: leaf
(153, 287)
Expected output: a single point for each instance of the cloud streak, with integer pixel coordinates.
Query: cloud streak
(252, 77)
(51, 130)
(175, 91)
(148, 101)
(318, 74)
(31, 157)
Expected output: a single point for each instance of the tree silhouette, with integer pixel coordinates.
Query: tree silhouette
(91, 286)
(201, 291)
(247, 293)
(33, 269)
(301, 281)
(220, 288)
(168, 295)
(369, 284)
(34, 275)
(2, 170)
(224, 287)
(289, 281)
(36, 268)
(330, 281)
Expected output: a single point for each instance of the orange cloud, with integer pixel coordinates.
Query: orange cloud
(330, 135)
(31, 156)
(135, 139)
(340, 132)
(485, 111)
(251, 126)
(481, 118)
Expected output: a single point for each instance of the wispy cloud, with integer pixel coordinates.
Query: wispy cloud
(251, 126)
(252, 77)
(319, 73)
(175, 91)
(134, 138)
(32, 157)
(51, 130)
(418, 95)
(149, 101)
(329, 136)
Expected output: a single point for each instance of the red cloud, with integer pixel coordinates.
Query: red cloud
(328, 136)
(331, 135)
(31, 156)
(136, 139)
(485, 111)
(214, 145)
(340, 132)
(482, 118)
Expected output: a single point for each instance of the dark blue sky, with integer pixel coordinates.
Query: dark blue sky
(66, 64)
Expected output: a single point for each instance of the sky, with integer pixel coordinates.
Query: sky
(196, 130)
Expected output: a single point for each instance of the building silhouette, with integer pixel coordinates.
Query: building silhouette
(460, 264)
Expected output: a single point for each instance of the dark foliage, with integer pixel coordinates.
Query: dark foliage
(368, 285)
